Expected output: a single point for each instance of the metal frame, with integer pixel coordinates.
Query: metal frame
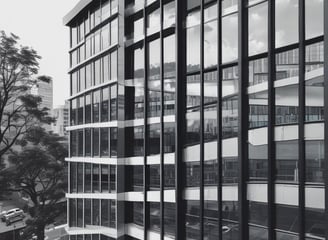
(219, 117)
(301, 119)
(180, 115)
(162, 232)
(145, 145)
(326, 107)
(243, 118)
(201, 152)
(271, 118)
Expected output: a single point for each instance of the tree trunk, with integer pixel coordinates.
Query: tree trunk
(40, 232)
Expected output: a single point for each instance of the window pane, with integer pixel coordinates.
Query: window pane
(313, 18)
(97, 42)
(95, 212)
(104, 178)
(88, 108)
(210, 36)
(104, 142)
(154, 177)
(87, 177)
(95, 140)
(169, 75)
(169, 15)
(80, 110)
(287, 95)
(286, 22)
(153, 24)
(230, 38)
(96, 105)
(87, 143)
(105, 37)
(97, 72)
(193, 110)
(314, 83)
(104, 104)
(193, 41)
(114, 31)
(154, 83)
(315, 160)
(106, 68)
(287, 161)
(258, 29)
(113, 65)
(95, 178)
(113, 102)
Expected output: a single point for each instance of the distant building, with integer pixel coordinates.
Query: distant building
(45, 91)
(61, 115)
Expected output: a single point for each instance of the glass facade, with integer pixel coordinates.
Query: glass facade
(198, 119)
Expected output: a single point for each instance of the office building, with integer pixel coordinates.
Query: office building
(198, 119)
(61, 115)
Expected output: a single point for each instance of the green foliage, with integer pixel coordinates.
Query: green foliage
(19, 110)
(38, 172)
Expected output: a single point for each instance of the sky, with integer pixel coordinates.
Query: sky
(39, 24)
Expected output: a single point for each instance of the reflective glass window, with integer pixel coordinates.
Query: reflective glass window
(154, 83)
(97, 42)
(105, 37)
(106, 68)
(210, 36)
(105, 104)
(258, 29)
(286, 22)
(95, 212)
(113, 65)
(169, 14)
(95, 141)
(104, 142)
(287, 161)
(104, 178)
(87, 177)
(154, 216)
(314, 82)
(95, 178)
(169, 74)
(87, 142)
(153, 22)
(193, 110)
(96, 106)
(114, 31)
(193, 41)
(80, 110)
(230, 38)
(88, 108)
(113, 102)
(97, 69)
(313, 18)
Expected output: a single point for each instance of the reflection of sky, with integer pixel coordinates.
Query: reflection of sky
(229, 38)
(313, 18)
(258, 30)
(286, 22)
(169, 14)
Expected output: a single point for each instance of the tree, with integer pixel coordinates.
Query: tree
(19, 110)
(38, 172)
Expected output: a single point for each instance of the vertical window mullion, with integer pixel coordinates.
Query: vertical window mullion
(271, 119)
(201, 187)
(242, 118)
(161, 124)
(326, 106)
(301, 93)
(219, 118)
